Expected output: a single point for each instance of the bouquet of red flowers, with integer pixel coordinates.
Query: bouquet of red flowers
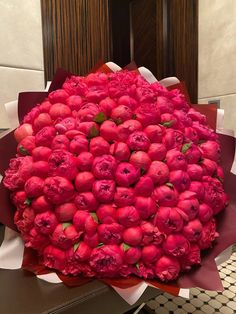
(115, 176)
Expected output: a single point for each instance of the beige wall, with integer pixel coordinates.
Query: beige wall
(21, 52)
(217, 55)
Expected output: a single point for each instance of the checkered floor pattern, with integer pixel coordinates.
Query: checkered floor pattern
(201, 302)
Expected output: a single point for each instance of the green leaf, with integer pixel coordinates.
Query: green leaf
(201, 142)
(125, 247)
(186, 147)
(66, 224)
(28, 201)
(142, 171)
(168, 124)
(100, 244)
(100, 117)
(76, 245)
(118, 121)
(170, 185)
(137, 266)
(95, 217)
(23, 151)
(220, 179)
(93, 132)
(134, 116)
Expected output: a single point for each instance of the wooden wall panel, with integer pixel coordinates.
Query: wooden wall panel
(76, 34)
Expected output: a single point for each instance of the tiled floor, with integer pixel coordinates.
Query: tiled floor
(202, 302)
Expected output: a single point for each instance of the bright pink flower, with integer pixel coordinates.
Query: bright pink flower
(90, 129)
(91, 240)
(84, 161)
(64, 125)
(75, 85)
(59, 95)
(165, 105)
(106, 260)
(121, 113)
(154, 133)
(41, 204)
(36, 240)
(215, 195)
(165, 196)
(138, 141)
(54, 258)
(104, 190)
(148, 113)
(110, 233)
(22, 131)
(65, 212)
(193, 154)
(60, 141)
(30, 116)
(191, 135)
(128, 216)
(133, 236)
(209, 167)
(24, 220)
(104, 167)
(208, 235)
(59, 110)
(98, 146)
(192, 258)
(124, 196)
(151, 254)
(205, 212)
(195, 172)
(176, 160)
(84, 181)
(167, 268)
(173, 139)
(204, 132)
(45, 222)
(19, 199)
(180, 179)
(192, 231)
(157, 151)
(41, 153)
(120, 151)
(74, 102)
(198, 188)
(176, 245)
(64, 236)
(126, 174)
(34, 187)
(45, 106)
(151, 234)
(79, 219)
(62, 163)
(158, 172)
(26, 146)
(109, 131)
(168, 220)
(45, 136)
(106, 106)
(189, 205)
(91, 224)
(127, 128)
(58, 190)
(196, 116)
(127, 101)
(140, 160)
(86, 201)
(131, 254)
(88, 112)
(145, 206)
(18, 173)
(83, 252)
(78, 144)
(144, 187)
(106, 213)
(42, 120)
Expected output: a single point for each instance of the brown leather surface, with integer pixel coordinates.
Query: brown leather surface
(22, 293)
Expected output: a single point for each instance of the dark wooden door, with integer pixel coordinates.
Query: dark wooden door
(159, 34)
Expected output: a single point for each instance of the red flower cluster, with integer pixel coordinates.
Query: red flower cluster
(115, 176)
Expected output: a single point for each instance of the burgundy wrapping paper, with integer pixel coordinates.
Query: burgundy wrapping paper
(198, 277)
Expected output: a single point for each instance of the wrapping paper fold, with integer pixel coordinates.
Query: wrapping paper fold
(12, 252)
